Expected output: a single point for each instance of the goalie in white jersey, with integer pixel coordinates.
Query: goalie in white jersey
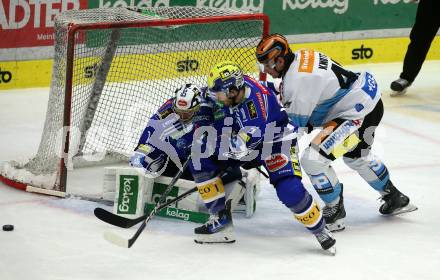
(318, 92)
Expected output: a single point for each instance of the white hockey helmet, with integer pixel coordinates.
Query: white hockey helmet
(187, 101)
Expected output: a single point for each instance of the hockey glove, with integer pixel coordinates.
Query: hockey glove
(137, 160)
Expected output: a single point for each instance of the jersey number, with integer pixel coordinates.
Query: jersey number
(340, 73)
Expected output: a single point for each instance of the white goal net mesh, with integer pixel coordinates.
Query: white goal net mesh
(122, 74)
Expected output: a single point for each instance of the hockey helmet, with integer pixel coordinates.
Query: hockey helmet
(224, 76)
(187, 101)
(270, 47)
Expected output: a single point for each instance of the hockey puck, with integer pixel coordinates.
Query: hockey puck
(8, 227)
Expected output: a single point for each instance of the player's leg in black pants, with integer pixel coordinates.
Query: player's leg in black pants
(422, 33)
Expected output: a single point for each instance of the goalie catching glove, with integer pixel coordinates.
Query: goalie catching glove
(148, 158)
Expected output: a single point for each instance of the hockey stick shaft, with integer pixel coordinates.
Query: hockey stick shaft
(119, 221)
(262, 172)
(161, 200)
(123, 222)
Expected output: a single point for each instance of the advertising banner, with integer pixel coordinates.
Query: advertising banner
(350, 31)
(291, 17)
(30, 23)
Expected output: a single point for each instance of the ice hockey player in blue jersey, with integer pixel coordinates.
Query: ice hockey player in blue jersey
(166, 140)
(252, 126)
(319, 93)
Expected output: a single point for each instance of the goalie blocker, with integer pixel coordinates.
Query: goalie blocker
(135, 194)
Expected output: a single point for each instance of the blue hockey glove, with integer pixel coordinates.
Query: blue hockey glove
(137, 160)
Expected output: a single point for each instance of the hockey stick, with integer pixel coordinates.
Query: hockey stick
(262, 172)
(127, 243)
(123, 222)
(119, 221)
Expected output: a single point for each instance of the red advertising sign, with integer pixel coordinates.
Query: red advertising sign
(29, 23)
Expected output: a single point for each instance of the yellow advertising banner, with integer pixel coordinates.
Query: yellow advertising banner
(37, 73)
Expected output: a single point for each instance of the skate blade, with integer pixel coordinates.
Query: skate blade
(397, 93)
(409, 208)
(224, 236)
(214, 242)
(331, 251)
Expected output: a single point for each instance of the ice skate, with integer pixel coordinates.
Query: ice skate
(219, 228)
(325, 238)
(399, 87)
(395, 202)
(334, 215)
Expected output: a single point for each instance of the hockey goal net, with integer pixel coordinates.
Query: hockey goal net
(113, 67)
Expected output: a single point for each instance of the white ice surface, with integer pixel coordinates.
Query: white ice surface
(61, 239)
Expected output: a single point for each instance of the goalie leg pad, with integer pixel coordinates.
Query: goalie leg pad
(250, 199)
(234, 192)
(244, 192)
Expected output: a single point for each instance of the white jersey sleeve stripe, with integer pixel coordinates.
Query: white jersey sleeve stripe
(299, 120)
(321, 110)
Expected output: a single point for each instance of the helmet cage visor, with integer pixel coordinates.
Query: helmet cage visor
(222, 86)
(187, 101)
(271, 63)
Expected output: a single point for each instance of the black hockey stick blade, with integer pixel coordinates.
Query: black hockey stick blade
(117, 220)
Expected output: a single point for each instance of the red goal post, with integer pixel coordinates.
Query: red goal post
(113, 67)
